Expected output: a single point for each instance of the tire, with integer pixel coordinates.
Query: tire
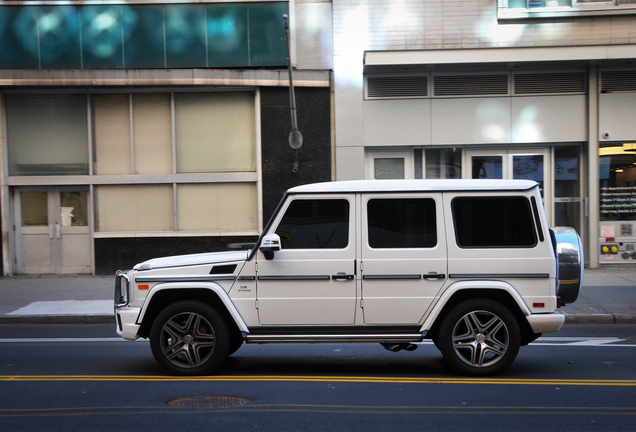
(479, 337)
(189, 338)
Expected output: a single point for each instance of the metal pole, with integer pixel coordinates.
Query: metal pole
(295, 137)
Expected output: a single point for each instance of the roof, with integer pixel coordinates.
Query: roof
(447, 185)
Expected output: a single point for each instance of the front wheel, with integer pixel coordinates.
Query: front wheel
(479, 337)
(189, 338)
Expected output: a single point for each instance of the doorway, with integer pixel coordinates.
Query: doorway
(52, 230)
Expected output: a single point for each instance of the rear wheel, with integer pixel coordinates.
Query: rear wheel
(479, 337)
(189, 338)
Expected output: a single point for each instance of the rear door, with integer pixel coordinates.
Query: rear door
(403, 256)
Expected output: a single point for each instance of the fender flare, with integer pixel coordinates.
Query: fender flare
(210, 286)
(472, 285)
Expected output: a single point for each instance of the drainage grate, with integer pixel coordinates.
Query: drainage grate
(209, 402)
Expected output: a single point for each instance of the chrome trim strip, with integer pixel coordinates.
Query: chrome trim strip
(206, 278)
(251, 278)
(499, 275)
(294, 277)
(396, 276)
(123, 300)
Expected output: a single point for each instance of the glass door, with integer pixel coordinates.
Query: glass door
(524, 164)
(52, 230)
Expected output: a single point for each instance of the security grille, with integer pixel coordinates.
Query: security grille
(394, 87)
(618, 81)
(470, 85)
(542, 83)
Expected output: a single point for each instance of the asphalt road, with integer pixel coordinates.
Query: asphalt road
(84, 378)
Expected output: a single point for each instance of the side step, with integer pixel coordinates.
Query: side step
(389, 339)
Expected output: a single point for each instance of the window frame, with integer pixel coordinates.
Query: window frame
(430, 210)
(576, 8)
(529, 212)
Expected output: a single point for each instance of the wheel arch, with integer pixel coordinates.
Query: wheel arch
(500, 292)
(212, 295)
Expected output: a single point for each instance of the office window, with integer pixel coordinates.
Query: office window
(220, 206)
(47, 134)
(215, 132)
(134, 208)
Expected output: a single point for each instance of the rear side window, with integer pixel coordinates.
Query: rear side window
(484, 222)
(315, 224)
(401, 223)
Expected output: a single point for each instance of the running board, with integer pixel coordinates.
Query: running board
(332, 338)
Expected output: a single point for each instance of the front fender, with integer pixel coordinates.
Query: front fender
(472, 285)
(209, 286)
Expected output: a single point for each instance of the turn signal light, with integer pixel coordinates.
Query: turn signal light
(143, 286)
(558, 302)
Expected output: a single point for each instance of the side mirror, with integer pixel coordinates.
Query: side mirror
(269, 245)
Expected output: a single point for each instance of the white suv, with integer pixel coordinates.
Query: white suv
(470, 264)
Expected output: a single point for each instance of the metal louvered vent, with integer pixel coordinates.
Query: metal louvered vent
(618, 81)
(397, 87)
(557, 82)
(470, 85)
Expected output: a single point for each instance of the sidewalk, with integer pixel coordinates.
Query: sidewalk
(608, 297)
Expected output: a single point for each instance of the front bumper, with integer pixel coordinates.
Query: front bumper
(546, 323)
(127, 326)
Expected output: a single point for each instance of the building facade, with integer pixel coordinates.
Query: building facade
(138, 129)
(474, 89)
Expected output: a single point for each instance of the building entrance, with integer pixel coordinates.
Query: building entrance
(52, 230)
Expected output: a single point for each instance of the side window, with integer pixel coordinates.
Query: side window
(315, 224)
(401, 223)
(482, 222)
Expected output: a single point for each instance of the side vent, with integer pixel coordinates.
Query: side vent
(618, 81)
(397, 87)
(541, 83)
(470, 85)
(223, 269)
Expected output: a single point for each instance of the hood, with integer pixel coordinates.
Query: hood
(194, 259)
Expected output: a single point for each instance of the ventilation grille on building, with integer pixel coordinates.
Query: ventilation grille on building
(617, 81)
(397, 86)
(558, 82)
(471, 85)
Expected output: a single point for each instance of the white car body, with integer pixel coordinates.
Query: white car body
(363, 289)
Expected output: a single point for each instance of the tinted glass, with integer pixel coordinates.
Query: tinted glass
(315, 224)
(493, 222)
(402, 223)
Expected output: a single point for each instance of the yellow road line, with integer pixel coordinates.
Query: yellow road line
(342, 379)
(327, 409)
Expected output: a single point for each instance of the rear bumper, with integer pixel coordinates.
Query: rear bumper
(546, 323)
(127, 326)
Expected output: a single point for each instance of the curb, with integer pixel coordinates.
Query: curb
(601, 319)
(57, 319)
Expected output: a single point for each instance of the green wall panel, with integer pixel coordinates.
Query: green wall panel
(120, 36)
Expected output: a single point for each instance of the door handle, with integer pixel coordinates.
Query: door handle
(434, 276)
(341, 277)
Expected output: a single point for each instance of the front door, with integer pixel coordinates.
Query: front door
(52, 231)
(311, 280)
